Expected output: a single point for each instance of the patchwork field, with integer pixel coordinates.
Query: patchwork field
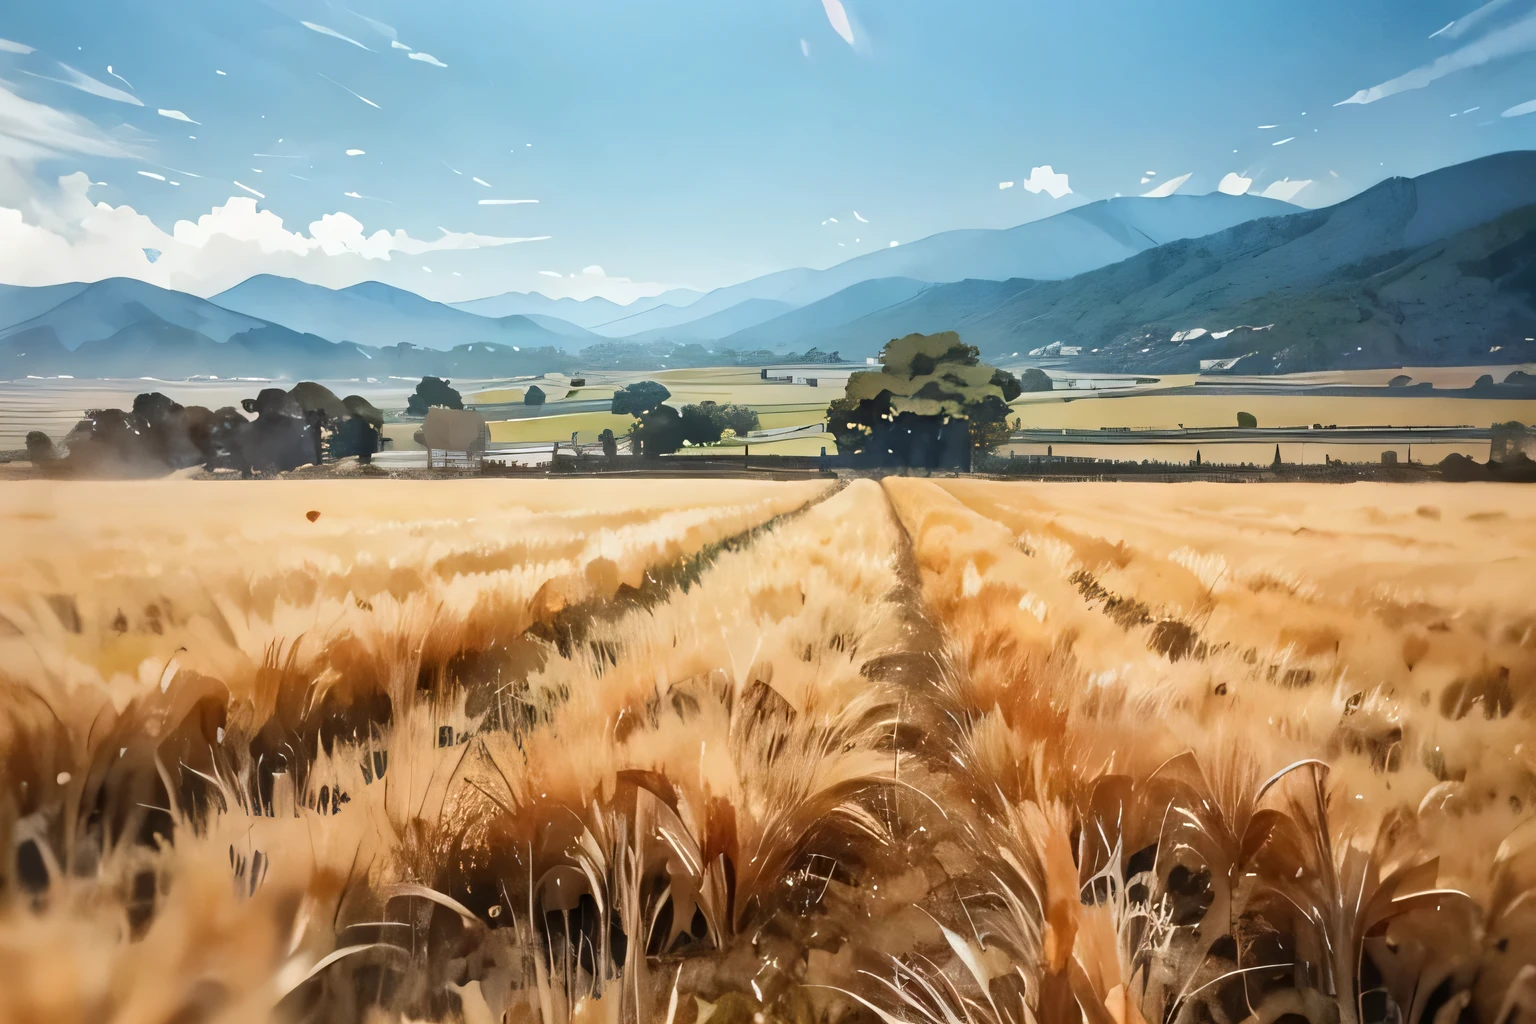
(920, 750)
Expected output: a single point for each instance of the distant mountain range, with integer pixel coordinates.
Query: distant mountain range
(378, 314)
(1437, 269)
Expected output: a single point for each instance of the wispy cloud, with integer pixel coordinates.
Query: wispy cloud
(1519, 36)
(427, 58)
(356, 152)
(119, 77)
(506, 202)
(838, 18)
(481, 181)
(323, 30)
(1521, 109)
(1045, 179)
(805, 48)
(1168, 187)
(176, 115)
(152, 174)
(859, 217)
(85, 83)
(6, 46)
(1234, 184)
(338, 85)
(32, 131)
(1283, 141)
(550, 273)
(1461, 26)
(258, 195)
(1005, 184)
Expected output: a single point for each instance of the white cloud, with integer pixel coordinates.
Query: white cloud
(1144, 180)
(506, 202)
(1520, 109)
(859, 217)
(31, 131)
(1168, 187)
(1517, 37)
(338, 85)
(258, 195)
(63, 236)
(119, 77)
(334, 34)
(805, 48)
(152, 174)
(1266, 127)
(1284, 141)
(481, 181)
(6, 46)
(395, 44)
(176, 115)
(387, 31)
(1462, 25)
(1044, 179)
(1234, 184)
(1005, 184)
(356, 152)
(85, 83)
(1285, 189)
(550, 273)
(427, 58)
(838, 18)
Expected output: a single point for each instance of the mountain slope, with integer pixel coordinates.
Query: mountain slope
(718, 325)
(378, 314)
(1366, 282)
(102, 309)
(19, 303)
(1069, 243)
(851, 303)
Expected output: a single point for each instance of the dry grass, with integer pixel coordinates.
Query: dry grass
(646, 751)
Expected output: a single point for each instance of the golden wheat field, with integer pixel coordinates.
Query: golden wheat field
(945, 751)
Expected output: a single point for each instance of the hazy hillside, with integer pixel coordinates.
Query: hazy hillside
(379, 314)
(588, 313)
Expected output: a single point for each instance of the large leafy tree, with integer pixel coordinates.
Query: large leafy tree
(926, 382)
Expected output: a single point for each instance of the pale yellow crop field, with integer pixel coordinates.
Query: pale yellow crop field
(1167, 411)
(662, 750)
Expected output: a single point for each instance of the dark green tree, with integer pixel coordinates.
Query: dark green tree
(432, 391)
(1247, 420)
(659, 431)
(904, 410)
(534, 395)
(610, 444)
(639, 398)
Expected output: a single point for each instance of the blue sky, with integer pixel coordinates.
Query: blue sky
(690, 143)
